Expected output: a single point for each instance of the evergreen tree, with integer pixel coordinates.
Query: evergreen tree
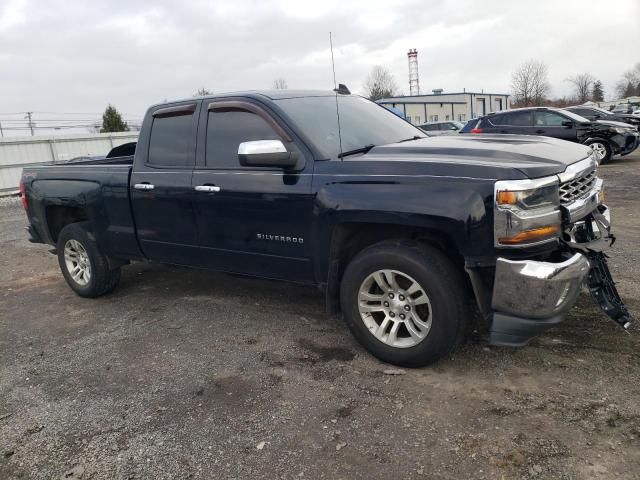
(630, 90)
(597, 94)
(112, 121)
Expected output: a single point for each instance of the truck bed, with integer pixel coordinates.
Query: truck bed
(94, 190)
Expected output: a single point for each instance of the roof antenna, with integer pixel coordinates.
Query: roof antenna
(335, 89)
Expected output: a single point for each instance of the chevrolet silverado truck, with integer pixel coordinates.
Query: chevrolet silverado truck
(408, 237)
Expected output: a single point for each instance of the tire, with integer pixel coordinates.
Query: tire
(100, 279)
(443, 317)
(603, 150)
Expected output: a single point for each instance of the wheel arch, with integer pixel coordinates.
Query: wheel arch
(59, 216)
(350, 238)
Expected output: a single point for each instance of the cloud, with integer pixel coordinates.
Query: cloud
(63, 56)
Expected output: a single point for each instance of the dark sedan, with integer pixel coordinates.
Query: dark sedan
(595, 113)
(604, 137)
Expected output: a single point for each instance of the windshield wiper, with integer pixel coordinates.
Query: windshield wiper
(415, 137)
(364, 149)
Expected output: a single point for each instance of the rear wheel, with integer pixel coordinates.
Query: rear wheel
(602, 151)
(83, 265)
(404, 302)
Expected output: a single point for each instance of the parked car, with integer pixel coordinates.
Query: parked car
(605, 138)
(636, 113)
(401, 232)
(623, 108)
(434, 129)
(595, 113)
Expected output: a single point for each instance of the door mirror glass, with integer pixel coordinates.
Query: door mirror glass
(567, 123)
(265, 153)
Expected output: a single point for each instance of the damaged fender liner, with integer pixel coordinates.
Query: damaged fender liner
(603, 290)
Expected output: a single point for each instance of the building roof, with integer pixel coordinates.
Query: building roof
(444, 94)
(430, 102)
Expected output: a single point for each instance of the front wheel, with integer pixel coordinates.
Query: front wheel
(83, 265)
(602, 151)
(404, 302)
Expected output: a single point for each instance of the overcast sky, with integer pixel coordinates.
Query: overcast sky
(77, 56)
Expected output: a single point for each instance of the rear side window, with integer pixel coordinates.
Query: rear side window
(227, 129)
(429, 128)
(516, 119)
(171, 143)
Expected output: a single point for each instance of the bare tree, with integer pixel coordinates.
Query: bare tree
(627, 86)
(582, 85)
(202, 92)
(280, 84)
(380, 83)
(530, 83)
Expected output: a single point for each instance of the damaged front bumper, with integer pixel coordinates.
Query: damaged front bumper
(531, 296)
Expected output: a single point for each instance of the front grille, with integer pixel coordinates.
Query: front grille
(577, 188)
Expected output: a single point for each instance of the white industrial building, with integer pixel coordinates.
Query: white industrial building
(19, 152)
(440, 106)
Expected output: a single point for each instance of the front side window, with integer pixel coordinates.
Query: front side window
(171, 143)
(548, 119)
(227, 129)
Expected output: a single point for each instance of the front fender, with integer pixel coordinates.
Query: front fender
(458, 209)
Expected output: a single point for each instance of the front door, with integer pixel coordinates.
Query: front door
(251, 220)
(161, 192)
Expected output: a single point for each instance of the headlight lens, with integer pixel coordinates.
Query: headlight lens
(526, 212)
(621, 129)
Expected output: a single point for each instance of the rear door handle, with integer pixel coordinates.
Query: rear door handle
(144, 186)
(206, 188)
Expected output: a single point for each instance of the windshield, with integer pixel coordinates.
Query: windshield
(574, 116)
(600, 110)
(362, 123)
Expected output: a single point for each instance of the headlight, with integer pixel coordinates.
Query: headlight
(621, 129)
(526, 212)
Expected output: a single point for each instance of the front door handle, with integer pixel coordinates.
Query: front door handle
(206, 188)
(540, 131)
(144, 186)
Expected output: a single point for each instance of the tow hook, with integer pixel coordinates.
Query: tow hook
(603, 289)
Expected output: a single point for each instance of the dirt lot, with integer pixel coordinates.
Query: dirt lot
(182, 374)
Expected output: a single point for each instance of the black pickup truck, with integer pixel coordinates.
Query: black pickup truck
(407, 236)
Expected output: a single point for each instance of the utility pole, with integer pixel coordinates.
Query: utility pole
(31, 124)
(1, 132)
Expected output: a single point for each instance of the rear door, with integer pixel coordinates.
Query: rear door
(161, 192)
(251, 220)
(550, 124)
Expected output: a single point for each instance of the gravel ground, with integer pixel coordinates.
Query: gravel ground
(185, 374)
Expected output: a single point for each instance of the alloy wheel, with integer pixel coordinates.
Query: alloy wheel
(395, 308)
(77, 262)
(599, 150)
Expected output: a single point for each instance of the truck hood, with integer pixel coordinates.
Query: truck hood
(481, 156)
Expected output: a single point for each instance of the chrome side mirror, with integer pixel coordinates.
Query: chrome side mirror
(266, 153)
